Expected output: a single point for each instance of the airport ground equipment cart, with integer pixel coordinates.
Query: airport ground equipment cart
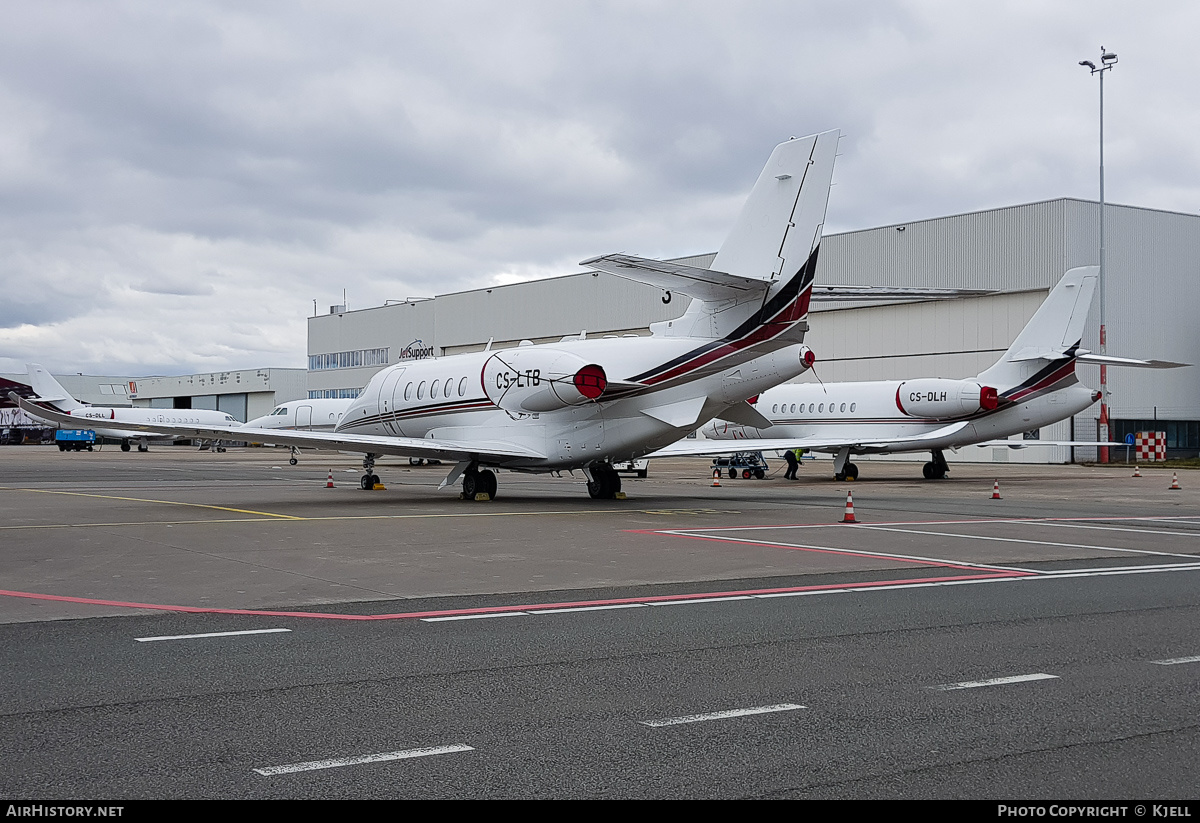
(638, 467)
(75, 439)
(745, 464)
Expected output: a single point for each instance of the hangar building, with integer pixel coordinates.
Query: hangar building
(1020, 252)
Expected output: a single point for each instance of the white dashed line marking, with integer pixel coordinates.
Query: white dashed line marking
(700, 718)
(473, 616)
(314, 765)
(995, 681)
(1175, 661)
(208, 634)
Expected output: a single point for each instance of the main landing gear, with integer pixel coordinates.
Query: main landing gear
(476, 482)
(370, 479)
(603, 483)
(125, 445)
(843, 469)
(293, 460)
(936, 468)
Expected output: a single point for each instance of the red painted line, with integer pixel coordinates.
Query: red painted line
(846, 552)
(826, 524)
(665, 598)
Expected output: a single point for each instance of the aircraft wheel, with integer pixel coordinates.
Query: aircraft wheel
(471, 485)
(605, 485)
(292, 461)
(927, 470)
(851, 472)
(124, 447)
(374, 480)
(365, 483)
(487, 483)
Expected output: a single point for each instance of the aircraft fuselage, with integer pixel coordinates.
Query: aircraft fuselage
(658, 391)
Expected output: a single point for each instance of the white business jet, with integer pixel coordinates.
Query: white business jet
(313, 414)
(104, 420)
(1032, 385)
(585, 403)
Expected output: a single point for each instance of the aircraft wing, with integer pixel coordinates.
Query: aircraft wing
(366, 444)
(1024, 444)
(703, 284)
(762, 444)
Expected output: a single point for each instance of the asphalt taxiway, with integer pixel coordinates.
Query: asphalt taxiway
(184, 624)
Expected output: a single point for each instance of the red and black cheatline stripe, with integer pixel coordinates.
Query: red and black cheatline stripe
(775, 317)
(1055, 375)
(476, 404)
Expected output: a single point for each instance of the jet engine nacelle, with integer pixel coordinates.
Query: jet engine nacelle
(538, 380)
(940, 399)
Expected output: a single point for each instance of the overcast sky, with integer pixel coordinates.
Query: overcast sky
(179, 182)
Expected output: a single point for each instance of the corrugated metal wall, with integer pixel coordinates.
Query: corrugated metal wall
(1153, 269)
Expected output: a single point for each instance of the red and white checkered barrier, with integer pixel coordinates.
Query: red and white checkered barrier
(1151, 446)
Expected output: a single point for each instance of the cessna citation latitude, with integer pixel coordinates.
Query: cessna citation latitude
(104, 420)
(1032, 385)
(586, 403)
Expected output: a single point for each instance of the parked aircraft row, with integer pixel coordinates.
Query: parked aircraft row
(111, 421)
(1033, 384)
(585, 403)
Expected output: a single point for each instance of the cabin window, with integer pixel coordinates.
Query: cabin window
(421, 391)
(852, 408)
(433, 390)
(408, 392)
(462, 387)
(821, 408)
(449, 385)
(843, 407)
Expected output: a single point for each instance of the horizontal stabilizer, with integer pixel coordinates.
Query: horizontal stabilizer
(871, 294)
(680, 415)
(1105, 360)
(703, 284)
(746, 415)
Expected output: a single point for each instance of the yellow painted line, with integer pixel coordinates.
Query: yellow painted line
(165, 502)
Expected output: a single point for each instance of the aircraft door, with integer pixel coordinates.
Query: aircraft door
(304, 417)
(387, 398)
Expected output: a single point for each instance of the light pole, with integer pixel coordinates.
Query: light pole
(1108, 59)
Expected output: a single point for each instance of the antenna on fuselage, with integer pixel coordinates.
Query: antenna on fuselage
(488, 347)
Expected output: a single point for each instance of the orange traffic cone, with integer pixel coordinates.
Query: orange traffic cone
(716, 478)
(849, 516)
(996, 491)
(1137, 471)
(329, 482)
(1174, 481)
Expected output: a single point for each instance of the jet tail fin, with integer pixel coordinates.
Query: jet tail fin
(50, 390)
(1051, 336)
(763, 274)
